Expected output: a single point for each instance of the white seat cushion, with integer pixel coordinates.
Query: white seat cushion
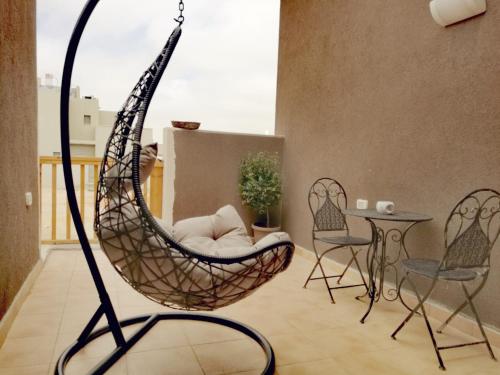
(212, 234)
(123, 170)
(148, 263)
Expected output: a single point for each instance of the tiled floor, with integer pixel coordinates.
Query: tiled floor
(309, 334)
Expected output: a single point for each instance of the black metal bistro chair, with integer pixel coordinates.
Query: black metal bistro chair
(471, 231)
(327, 198)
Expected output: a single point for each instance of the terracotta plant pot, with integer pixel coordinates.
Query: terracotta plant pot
(260, 232)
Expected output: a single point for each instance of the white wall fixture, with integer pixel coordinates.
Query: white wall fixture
(447, 12)
(28, 197)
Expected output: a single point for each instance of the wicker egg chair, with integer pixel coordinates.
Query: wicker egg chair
(142, 251)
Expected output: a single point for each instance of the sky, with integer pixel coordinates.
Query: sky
(222, 74)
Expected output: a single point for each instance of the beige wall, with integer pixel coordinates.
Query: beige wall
(202, 170)
(78, 108)
(18, 142)
(93, 135)
(49, 134)
(107, 118)
(377, 95)
(48, 118)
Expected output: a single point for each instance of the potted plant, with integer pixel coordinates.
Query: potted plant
(260, 189)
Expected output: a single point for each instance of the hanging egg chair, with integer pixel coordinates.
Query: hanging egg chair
(144, 252)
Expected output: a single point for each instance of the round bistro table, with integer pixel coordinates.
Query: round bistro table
(377, 258)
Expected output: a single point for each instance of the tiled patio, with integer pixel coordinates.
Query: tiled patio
(308, 333)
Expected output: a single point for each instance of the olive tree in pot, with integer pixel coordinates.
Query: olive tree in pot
(260, 189)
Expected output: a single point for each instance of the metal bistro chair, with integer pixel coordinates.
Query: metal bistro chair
(471, 231)
(327, 198)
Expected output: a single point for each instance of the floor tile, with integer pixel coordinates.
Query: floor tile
(82, 365)
(164, 335)
(35, 325)
(75, 320)
(175, 361)
(251, 372)
(203, 333)
(230, 357)
(291, 349)
(395, 361)
(323, 367)
(96, 348)
(34, 304)
(309, 334)
(28, 370)
(30, 351)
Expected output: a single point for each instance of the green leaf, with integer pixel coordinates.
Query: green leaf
(260, 181)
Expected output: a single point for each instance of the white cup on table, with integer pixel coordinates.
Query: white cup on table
(385, 207)
(361, 204)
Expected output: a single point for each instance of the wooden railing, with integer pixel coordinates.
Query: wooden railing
(54, 210)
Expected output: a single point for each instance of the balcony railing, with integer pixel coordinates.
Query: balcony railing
(55, 218)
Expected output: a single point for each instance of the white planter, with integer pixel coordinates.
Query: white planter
(260, 232)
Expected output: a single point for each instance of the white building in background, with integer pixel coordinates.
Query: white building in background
(89, 125)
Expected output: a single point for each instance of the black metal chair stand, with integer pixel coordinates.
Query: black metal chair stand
(148, 322)
(327, 198)
(141, 251)
(471, 231)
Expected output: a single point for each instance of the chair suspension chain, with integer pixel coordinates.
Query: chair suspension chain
(180, 19)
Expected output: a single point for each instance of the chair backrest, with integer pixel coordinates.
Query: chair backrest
(327, 198)
(472, 229)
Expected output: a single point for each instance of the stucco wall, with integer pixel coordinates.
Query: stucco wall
(202, 170)
(377, 95)
(18, 142)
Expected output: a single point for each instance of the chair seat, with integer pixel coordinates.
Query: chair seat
(430, 267)
(345, 240)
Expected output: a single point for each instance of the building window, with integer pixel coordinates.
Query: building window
(56, 153)
(87, 120)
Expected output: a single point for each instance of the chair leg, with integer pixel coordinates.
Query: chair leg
(355, 258)
(345, 270)
(318, 260)
(478, 320)
(434, 343)
(318, 263)
(420, 306)
(414, 310)
(340, 276)
(369, 264)
(310, 275)
(326, 283)
(461, 307)
(450, 318)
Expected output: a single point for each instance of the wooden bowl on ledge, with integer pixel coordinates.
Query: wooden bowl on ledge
(188, 125)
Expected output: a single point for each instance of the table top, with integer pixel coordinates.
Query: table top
(403, 216)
